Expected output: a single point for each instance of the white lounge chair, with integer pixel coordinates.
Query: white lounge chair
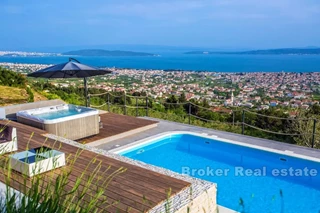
(8, 139)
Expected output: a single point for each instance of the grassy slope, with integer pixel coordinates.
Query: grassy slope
(38, 97)
(13, 95)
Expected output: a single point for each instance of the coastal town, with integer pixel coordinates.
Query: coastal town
(257, 90)
(26, 54)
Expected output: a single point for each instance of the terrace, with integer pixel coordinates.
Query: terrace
(138, 189)
(129, 187)
(143, 180)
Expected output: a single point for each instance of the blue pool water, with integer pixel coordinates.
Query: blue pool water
(57, 114)
(71, 110)
(258, 192)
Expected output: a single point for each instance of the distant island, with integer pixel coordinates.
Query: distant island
(284, 51)
(101, 52)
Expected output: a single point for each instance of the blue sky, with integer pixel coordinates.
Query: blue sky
(198, 23)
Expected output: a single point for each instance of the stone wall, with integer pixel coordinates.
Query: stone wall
(203, 203)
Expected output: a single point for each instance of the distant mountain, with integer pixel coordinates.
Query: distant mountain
(284, 51)
(156, 49)
(101, 52)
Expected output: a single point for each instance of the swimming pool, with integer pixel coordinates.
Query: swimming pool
(249, 178)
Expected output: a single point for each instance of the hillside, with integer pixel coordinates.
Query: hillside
(38, 97)
(15, 90)
(101, 52)
(284, 51)
(12, 95)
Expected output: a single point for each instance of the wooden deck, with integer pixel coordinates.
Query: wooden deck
(115, 124)
(131, 188)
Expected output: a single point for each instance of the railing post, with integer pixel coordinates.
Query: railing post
(147, 105)
(86, 91)
(136, 106)
(232, 117)
(243, 117)
(125, 103)
(89, 100)
(313, 132)
(108, 99)
(189, 113)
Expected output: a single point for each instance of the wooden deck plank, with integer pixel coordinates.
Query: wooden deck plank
(129, 187)
(114, 124)
(137, 171)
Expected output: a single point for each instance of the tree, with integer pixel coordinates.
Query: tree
(136, 93)
(315, 109)
(172, 102)
(205, 103)
(304, 125)
(182, 98)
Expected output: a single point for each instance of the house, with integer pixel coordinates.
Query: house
(285, 104)
(221, 110)
(262, 107)
(293, 114)
(249, 105)
(257, 98)
(273, 103)
(228, 102)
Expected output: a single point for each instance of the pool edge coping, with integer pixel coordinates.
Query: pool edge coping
(147, 140)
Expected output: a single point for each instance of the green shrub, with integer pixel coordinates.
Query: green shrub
(11, 78)
(30, 93)
(51, 96)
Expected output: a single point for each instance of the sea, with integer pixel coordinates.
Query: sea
(186, 62)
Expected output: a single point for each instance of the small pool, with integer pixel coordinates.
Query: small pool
(249, 178)
(54, 114)
(65, 120)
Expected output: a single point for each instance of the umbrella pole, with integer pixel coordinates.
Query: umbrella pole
(86, 90)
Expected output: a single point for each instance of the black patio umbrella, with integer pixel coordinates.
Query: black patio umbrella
(71, 69)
